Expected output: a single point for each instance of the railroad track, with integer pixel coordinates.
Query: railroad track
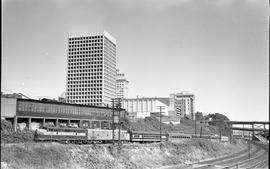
(258, 158)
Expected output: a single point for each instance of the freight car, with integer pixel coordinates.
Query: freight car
(75, 135)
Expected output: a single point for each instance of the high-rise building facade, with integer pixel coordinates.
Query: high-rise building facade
(91, 69)
(183, 104)
(121, 85)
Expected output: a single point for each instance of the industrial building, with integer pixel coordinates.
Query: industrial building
(52, 113)
(144, 107)
(91, 69)
(177, 105)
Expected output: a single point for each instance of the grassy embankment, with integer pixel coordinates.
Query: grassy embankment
(54, 155)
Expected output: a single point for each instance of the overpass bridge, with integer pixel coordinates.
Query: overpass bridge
(255, 128)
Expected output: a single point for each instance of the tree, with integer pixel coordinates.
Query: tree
(199, 116)
(218, 120)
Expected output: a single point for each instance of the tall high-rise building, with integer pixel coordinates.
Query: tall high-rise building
(91, 69)
(121, 85)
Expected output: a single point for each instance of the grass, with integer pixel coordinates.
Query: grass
(186, 126)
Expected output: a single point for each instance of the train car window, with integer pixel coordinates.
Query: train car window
(31, 107)
(59, 109)
(64, 109)
(72, 110)
(52, 108)
(21, 107)
(42, 107)
(39, 107)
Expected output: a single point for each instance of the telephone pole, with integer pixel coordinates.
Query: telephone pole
(201, 132)
(116, 106)
(249, 145)
(160, 113)
(119, 125)
(113, 120)
(195, 128)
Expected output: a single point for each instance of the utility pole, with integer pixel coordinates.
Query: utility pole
(119, 131)
(201, 132)
(160, 109)
(249, 145)
(113, 121)
(195, 129)
(119, 126)
(116, 105)
(220, 134)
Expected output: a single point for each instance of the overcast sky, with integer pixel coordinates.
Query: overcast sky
(216, 49)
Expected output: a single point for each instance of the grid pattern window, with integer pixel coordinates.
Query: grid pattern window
(121, 85)
(121, 88)
(90, 70)
(109, 70)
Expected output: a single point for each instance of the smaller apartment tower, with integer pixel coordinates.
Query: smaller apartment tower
(121, 85)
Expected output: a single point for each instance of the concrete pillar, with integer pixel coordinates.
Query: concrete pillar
(89, 124)
(243, 132)
(109, 124)
(43, 122)
(57, 123)
(15, 123)
(29, 122)
(80, 124)
(68, 122)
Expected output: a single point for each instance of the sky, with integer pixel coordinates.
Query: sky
(215, 49)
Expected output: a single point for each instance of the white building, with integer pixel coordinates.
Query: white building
(177, 105)
(121, 85)
(143, 107)
(91, 69)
